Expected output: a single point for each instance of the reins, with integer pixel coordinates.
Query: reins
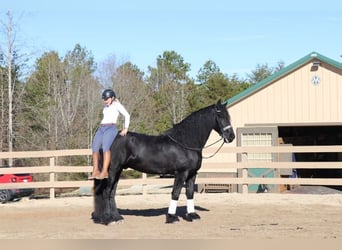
(208, 157)
(199, 149)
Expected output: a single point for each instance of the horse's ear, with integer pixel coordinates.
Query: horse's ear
(218, 102)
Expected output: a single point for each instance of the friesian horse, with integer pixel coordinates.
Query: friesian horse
(178, 152)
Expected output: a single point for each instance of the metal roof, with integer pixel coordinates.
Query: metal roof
(281, 73)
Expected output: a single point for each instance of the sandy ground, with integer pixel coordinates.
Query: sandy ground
(223, 216)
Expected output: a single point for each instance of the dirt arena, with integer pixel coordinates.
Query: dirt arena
(224, 216)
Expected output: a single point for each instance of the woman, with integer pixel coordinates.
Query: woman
(107, 132)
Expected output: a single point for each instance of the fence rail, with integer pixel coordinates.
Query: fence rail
(213, 166)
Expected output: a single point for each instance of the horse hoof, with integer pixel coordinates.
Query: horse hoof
(192, 217)
(116, 222)
(171, 218)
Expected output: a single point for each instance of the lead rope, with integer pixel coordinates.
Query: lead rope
(208, 157)
(199, 149)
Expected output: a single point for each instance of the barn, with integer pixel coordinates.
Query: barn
(299, 105)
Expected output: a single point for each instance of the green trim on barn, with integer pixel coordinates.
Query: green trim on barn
(281, 73)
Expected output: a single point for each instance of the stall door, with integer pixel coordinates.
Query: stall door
(259, 136)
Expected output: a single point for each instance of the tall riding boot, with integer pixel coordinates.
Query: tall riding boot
(106, 162)
(96, 171)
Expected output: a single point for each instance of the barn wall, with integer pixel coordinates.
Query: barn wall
(293, 99)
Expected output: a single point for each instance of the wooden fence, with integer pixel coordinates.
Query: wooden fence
(212, 166)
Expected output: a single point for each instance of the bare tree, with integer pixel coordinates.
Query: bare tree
(13, 64)
(136, 96)
(106, 70)
(127, 81)
(78, 68)
(8, 29)
(93, 108)
(2, 108)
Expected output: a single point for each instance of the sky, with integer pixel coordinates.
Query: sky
(236, 35)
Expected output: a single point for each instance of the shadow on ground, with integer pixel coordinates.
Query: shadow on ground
(152, 212)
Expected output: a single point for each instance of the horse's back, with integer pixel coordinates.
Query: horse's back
(153, 154)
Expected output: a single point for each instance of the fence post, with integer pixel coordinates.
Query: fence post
(244, 173)
(144, 185)
(52, 178)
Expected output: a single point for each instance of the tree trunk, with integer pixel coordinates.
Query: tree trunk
(10, 86)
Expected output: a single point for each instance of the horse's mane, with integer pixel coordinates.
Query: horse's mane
(192, 128)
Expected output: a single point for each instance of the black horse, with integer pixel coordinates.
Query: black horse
(178, 152)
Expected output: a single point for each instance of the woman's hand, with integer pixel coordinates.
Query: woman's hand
(124, 132)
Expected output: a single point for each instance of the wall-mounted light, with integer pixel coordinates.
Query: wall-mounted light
(315, 65)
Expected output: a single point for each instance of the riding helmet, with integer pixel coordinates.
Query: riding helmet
(108, 93)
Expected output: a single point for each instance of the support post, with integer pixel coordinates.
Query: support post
(52, 178)
(244, 173)
(144, 185)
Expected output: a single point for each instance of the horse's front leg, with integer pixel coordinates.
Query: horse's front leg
(191, 215)
(171, 216)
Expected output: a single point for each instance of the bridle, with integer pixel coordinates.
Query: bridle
(227, 127)
(224, 128)
(200, 149)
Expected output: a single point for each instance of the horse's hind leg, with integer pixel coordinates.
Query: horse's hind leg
(106, 211)
(99, 202)
(191, 215)
(111, 213)
(114, 214)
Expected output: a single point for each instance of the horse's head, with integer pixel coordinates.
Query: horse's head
(223, 126)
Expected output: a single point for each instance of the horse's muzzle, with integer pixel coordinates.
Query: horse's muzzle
(229, 136)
